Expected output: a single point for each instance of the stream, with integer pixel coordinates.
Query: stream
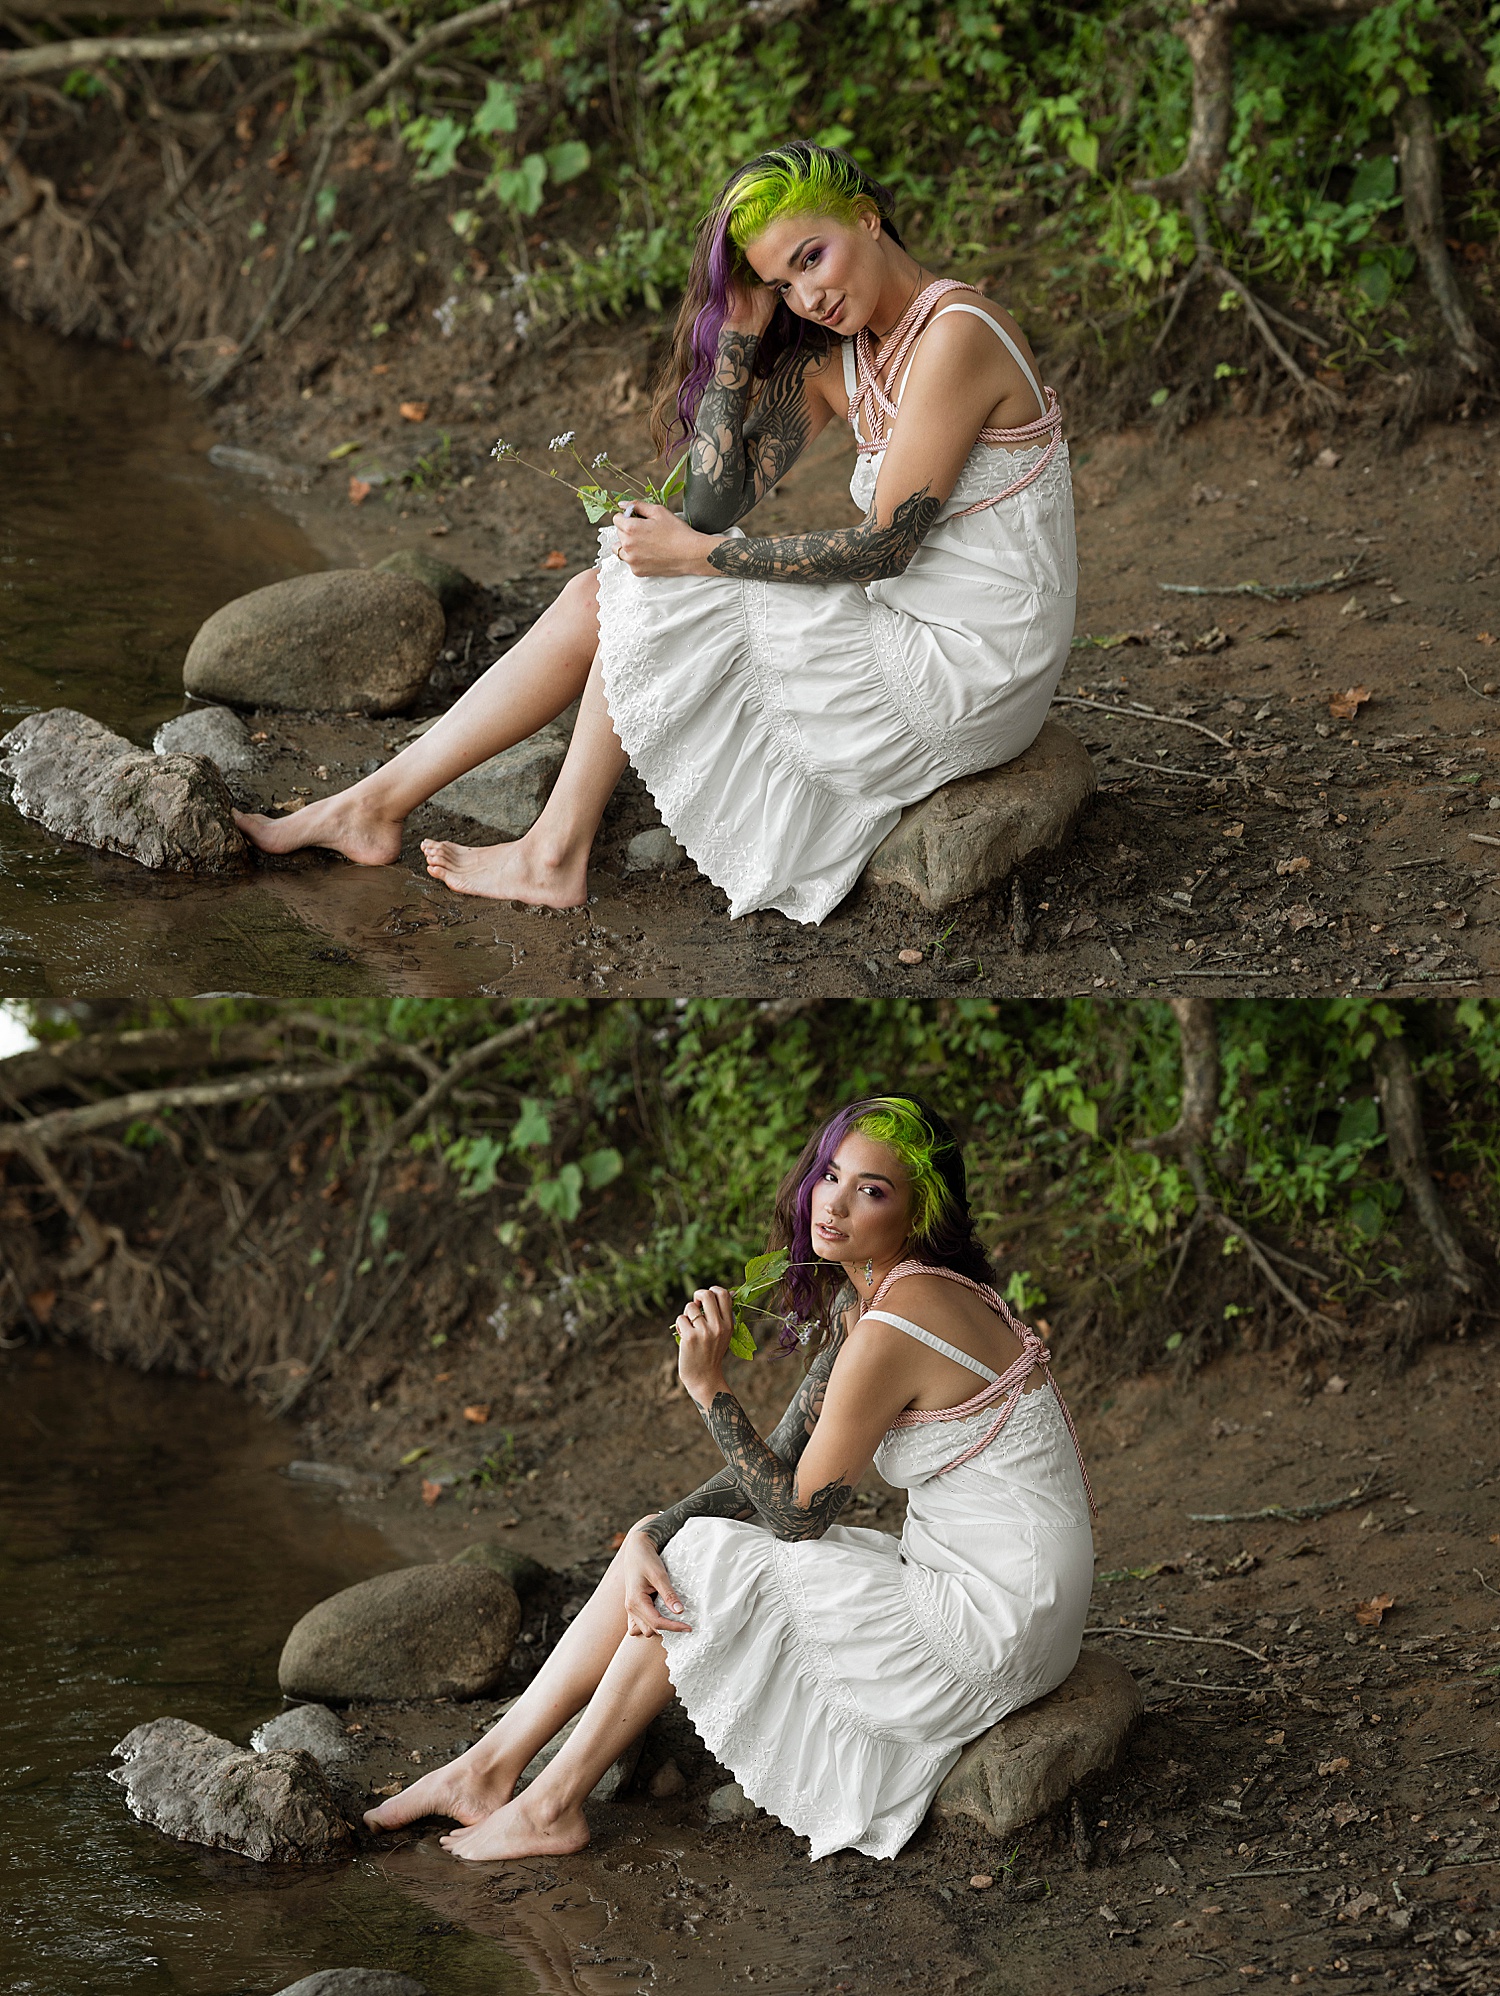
(117, 538)
(152, 1559)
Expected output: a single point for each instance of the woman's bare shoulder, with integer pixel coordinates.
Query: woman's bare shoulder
(923, 1295)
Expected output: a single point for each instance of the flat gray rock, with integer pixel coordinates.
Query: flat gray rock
(355, 1982)
(507, 792)
(730, 1804)
(449, 584)
(84, 782)
(1034, 1758)
(653, 851)
(215, 732)
(523, 1572)
(421, 1632)
(349, 641)
(310, 1728)
(973, 833)
(256, 464)
(273, 1807)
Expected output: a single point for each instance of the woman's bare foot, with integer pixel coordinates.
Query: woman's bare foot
(345, 821)
(520, 1829)
(508, 873)
(463, 1790)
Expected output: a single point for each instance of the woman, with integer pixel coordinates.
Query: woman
(783, 698)
(837, 1671)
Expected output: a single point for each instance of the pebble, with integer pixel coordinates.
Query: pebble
(730, 1804)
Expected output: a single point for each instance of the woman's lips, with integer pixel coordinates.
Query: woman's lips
(829, 1233)
(832, 318)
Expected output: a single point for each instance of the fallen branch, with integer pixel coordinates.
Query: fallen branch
(1134, 712)
(1294, 1514)
(95, 1056)
(47, 58)
(1270, 592)
(1168, 1636)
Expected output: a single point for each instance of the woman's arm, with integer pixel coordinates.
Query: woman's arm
(734, 460)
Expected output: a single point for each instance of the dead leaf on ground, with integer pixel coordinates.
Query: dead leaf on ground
(557, 559)
(431, 1491)
(414, 412)
(1369, 1614)
(359, 491)
(1339, 1766)
(1212, 639)
(1236, 831)
(1284, 867)
(479, 1413)
(1484, 638)
(1344, 706)
(391, 1788)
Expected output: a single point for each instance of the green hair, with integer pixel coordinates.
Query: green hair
(799, 179)
(899, 1124)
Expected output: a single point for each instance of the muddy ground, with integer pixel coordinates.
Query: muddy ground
(1313, 1797)
(1294, 793)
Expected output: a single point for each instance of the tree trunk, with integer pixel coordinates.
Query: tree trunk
(1401, 1107)
(1422, 209)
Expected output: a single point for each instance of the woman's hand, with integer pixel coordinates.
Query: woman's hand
(652, 540)
(750, 307)
(704, 1330)
(645, 1577)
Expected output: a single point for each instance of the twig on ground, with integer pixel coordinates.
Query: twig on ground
(1133, 711)
(1170, 1636)
(1271, 592)
(1290, 1513)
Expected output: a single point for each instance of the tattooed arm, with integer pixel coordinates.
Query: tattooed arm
(870, 552)
(735, 459)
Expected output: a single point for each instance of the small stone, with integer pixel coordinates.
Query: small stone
(1328, 458)
(449, 584)
(523, 1572)
(256, 464)
(84, 782)
(730, 1804)
(348, 641)
(507, 792)
(355, 1982)
(420, 1632)
(909, 956)
(1033, 1758)
(653, 851)
(975, 832)
(981, 1881)
(667, 1781)
(215, 732)
(610, 1782)
(273, 1807)
(312, 1728)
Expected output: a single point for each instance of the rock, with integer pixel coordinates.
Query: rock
(667, 1781)
(355, 1982)
(84, 782)
(215, 732)
(362, 1482)
(973, 833)
(653, 851)
(273, 1807)
(421, 1632)
(312, 1728)
(730, 1804)
(256, 464)
(449, 584)
(507, 792)
(1026, 1764)
(347, 640)
(610, 1782)
(523, 1572)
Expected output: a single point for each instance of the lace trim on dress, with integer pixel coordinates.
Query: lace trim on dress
(941, 1644)
(901, 684)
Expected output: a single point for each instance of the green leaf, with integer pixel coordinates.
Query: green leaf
(597, 503)
(1174, 1341)
(741, 1345)
(675, 480)
(1375, 181)
(1083, 150)
(520, 187)
(532, 1129)
(568, 160)
(437, 140)
(414, 1455)
(498, 111)
(763, 1272)
(601, 1167)
(380, 1227)
(341, 450)
(326, 203)
(1159, 396)
(1374, 279)
(1360, 1122)
(562, 1196)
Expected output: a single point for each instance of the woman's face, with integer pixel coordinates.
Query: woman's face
(827, 271)
(861, 1206)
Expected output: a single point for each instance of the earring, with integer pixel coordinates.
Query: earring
(870, 1274)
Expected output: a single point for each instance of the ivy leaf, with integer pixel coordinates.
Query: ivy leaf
(601, 1167)
(520, 187)
(498, 111)
(568, 160)
(532, 1129)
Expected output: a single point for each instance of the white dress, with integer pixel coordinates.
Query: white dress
(782, 727)
(840, 1678)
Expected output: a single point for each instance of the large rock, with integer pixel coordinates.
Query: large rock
(215, 732)
(84, 782)
(507, 792)
(355, 1982)
(973, 833)
(421, 1632)
(523, 1572)
(349, 640)
(204, 1790)
(449, 584)
(307, 1729)
(1032, 1759)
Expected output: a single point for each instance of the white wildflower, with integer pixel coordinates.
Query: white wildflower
(562, 442)
(446, 315)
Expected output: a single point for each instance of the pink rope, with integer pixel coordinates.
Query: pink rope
(1008, 1387)
(880, 410)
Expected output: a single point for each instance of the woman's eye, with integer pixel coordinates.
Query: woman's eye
(810, 259)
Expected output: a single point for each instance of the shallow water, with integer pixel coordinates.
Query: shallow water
(117, 539)
(151, 1561)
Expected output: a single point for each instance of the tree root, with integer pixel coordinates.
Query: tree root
(1401, 1111)
(1422, 210)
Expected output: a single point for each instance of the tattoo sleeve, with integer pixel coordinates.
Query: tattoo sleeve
(866, 553)
(725, 1495)
(770, 1483)
(735, 459)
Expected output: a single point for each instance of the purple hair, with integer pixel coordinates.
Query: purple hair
(785, 335)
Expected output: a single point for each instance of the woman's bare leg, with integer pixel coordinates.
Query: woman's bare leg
(520, 693)
(547, 1818)
(549, 865)
(481, 1780)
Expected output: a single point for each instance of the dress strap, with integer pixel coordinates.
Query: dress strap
(851, 374)
(934, 1343)
(1000, 333)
